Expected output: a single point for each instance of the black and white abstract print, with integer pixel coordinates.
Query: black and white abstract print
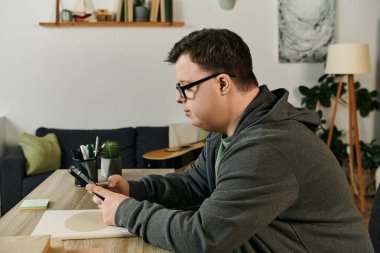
(306, 28)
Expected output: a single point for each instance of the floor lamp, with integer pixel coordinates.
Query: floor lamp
(349, 59)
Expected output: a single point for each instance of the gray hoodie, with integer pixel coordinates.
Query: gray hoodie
(279, 189)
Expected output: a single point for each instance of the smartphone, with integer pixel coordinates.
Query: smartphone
(84, 179)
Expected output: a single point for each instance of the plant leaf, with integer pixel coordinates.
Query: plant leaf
(304, 90)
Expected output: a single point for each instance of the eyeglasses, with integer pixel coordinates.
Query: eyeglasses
(181, 89)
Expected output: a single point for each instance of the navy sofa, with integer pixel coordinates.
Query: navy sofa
(133, 141)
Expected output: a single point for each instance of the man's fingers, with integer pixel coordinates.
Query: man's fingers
(90, 187)
(97, 200)
(104, 185)
(97, 190)
(113, 180)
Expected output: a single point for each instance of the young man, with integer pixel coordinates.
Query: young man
(264, 181)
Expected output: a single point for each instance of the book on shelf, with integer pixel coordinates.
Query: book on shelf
(162, 10)
(130, 10)
(168, 10)
(119, 10)
(125, 9)
(155, 4)
(122, 17)
(165, 10)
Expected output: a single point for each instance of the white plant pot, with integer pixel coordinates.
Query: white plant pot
(109, 167)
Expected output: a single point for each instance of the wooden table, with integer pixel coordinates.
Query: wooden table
(63, 195)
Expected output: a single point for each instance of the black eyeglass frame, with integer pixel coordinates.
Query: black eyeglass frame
(181, 89)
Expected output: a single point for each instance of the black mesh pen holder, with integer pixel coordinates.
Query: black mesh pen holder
(87, 167)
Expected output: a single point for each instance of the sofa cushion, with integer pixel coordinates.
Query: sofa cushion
(42, 154)
(148, 139)
(72, 139)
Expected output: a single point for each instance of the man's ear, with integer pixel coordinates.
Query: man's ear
(224, 84)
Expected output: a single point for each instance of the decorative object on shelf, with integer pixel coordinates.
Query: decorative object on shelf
(141, 11)
(103, 15)
(110, 162)
(306, 28)
(227, 4)
(66, 16)
(82, 11)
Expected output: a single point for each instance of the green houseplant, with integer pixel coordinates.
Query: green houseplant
(110, 150)
(319, 98)
(110, 162)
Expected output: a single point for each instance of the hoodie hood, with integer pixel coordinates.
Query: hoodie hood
(274, 107)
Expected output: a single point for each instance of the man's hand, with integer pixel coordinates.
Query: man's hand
(110, 204)
(116, 183)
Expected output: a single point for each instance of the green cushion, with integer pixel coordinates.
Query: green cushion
(42, 154)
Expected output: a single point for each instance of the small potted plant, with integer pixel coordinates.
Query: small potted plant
(141, 11)
(110, 162)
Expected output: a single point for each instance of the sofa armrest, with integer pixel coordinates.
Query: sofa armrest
(12, 174)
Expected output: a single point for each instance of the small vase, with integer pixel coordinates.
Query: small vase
(109, 167)
(227, 4)
(141, 13)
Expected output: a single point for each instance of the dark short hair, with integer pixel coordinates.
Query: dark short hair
(218, 50)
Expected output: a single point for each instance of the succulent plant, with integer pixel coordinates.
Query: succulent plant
(110, 150)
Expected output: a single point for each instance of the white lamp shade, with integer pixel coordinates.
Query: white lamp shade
(348, 59)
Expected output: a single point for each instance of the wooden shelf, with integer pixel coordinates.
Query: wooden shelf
(112, 24)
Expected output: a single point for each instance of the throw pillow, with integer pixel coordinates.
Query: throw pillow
(42, 154)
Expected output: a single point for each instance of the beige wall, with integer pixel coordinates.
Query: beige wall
(115, 77)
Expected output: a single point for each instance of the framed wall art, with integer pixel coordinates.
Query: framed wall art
(306, 28)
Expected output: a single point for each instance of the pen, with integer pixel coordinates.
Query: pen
(79, 154)
(96, 145)
(100, 150)
(84, 152)
(90, 150)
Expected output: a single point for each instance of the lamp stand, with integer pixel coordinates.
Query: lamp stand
(353, 138)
